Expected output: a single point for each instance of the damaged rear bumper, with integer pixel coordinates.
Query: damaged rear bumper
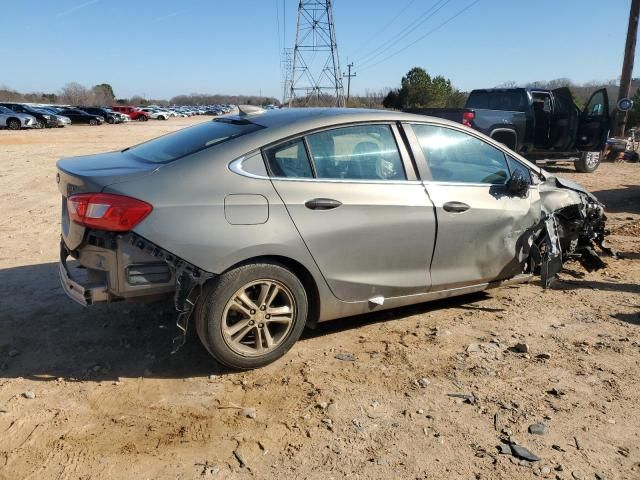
(108, 268)
(85, 295)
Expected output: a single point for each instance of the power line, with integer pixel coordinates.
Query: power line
(387, 25)
(433, 30)
(429, 13)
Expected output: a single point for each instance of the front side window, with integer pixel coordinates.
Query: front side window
(595, 106)
(363, 152)
(458, 157)
(289, 160)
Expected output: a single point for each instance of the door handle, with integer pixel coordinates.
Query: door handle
(322, 204)
(456, 207)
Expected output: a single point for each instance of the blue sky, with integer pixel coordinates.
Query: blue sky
(161, 48)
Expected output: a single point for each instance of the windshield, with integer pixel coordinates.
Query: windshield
(190, 140)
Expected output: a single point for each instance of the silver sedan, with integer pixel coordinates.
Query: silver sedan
(265, 222)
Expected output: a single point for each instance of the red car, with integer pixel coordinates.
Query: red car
(134, 113)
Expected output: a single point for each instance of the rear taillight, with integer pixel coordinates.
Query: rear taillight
(104, 211)
(467, 117)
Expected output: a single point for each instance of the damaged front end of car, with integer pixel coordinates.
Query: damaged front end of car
(571, 227)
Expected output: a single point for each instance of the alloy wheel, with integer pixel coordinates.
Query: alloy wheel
(592, 159)
(258, 317)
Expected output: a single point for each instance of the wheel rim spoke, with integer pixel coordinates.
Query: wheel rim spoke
(285, 310)
(267, 337)
(247, 301)
(279, 320)
(231, 331)
(237, 338)
(272, 297)
(265, 288)
(237, 305)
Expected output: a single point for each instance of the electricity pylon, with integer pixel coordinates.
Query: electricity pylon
(316, 77)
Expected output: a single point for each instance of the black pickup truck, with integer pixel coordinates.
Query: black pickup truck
(539, 124)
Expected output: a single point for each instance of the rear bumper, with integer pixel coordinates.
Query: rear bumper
(85, 295)
(113, 269)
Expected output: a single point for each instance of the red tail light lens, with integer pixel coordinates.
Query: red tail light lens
(467, 117)
(105, 211)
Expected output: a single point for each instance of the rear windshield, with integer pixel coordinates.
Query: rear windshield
(514, 101)
(190, 140)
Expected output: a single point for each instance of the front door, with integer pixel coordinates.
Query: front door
(369, 226)
(594, 122)
(481, 228)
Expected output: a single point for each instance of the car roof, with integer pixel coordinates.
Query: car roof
(302, 119)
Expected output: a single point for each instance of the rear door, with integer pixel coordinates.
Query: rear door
(481, 228)
(594, 122)
(359, 208)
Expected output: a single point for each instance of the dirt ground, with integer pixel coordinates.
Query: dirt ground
(94, 393)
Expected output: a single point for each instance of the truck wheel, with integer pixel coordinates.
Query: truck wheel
(252, 315)
(588, 162)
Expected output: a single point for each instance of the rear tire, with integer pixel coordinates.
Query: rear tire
(111, 120)
(267, 306)
(14, 124)
(588, 162)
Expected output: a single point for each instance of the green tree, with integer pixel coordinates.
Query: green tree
(419, 90)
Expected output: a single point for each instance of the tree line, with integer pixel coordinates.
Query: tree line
(74, 93)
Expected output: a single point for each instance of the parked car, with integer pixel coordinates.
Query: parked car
(155, 114)
(539, 124)
(134, 112)
(108, 116)
(120, 117)
(15, 121)
(61, 120)
(272, 220)
(78, 116)
(44, 120)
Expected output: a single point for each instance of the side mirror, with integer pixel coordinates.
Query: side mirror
(518, 185)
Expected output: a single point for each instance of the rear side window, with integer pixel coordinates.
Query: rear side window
(190, 140)
(289, 160)
(509, 100)
(458, 157)
(363, 152)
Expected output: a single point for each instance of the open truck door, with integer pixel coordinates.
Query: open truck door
(594, 123)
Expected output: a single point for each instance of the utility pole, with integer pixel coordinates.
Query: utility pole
(627, 66)
(315, 71)
(348, 76)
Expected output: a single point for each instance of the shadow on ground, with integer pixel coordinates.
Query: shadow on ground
(621, 200)
(46, 336)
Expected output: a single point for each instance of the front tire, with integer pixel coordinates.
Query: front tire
(252, 315)
(14, 124)
(142, 118)
(588, 162)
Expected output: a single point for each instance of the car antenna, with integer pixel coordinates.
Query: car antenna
(247, 110)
